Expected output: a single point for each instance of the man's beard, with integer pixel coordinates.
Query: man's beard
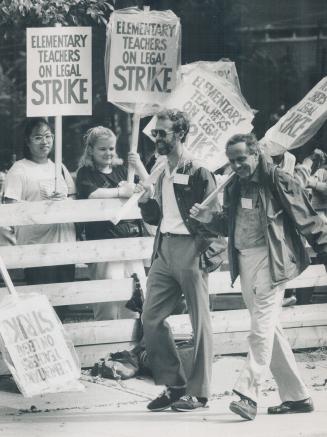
(164, 148)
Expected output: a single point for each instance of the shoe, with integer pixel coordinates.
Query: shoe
(289, 301)
(166, 399)
(245, 408)
(289, 407)
(188, 403)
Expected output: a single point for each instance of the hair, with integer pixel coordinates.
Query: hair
(249, 139)
(180, 121)
(89, 140)
(30, 125)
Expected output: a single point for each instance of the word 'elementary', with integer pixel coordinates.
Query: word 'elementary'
(152, 29)
(58, 41)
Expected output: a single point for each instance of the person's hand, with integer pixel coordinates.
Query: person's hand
(312, 182)
(134, 160)
(57, 196)
(148, 191)
(126, 189)
(201, 213)
(318, 158)
(318, 155)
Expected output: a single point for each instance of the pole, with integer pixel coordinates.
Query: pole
(214, 193)
(135, 131)
(6, 279)
(134, 143)
(58, 150)
(58, 145)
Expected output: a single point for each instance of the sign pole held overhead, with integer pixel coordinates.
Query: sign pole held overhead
(135, 132)
(141, 63)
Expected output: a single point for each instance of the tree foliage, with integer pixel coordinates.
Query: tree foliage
(49, 12)
(15, 17)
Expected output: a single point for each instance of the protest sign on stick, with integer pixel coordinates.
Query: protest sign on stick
(216, 111)
(141, 62)
(300, 123)
(142, 58)
(33, 344)
(59, 72)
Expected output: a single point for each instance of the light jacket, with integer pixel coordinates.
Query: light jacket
(286, 216)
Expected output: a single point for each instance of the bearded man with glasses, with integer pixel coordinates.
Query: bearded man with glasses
(184, 253)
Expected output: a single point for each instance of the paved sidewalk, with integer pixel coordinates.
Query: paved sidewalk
(108, 408)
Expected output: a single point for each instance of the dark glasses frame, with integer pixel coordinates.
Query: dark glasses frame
(163, 133)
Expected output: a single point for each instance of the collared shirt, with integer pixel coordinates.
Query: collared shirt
(172, 220)
(249, 231)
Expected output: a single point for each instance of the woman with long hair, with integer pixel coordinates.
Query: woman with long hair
(103, 175)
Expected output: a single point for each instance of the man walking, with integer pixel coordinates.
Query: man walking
(183, 249)
(264, 211)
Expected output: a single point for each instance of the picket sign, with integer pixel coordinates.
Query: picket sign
(306, 326)
(141, 71)
(58, 82)
(33, 344)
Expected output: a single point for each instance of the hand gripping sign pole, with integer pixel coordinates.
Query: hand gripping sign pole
(141, 62)
(134, 143)
(135, 132)
(132, 201)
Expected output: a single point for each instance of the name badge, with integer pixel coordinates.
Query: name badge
(246, 203)
(181, 179)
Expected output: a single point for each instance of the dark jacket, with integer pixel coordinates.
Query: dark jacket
(200, 184)
(286, 213)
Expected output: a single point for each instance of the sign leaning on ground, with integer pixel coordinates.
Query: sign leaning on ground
(59, 71)
(142, 57)
(34, 347)
(300, 123)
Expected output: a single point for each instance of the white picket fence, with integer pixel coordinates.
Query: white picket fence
(306, 326)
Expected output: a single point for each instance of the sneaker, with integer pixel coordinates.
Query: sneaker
(166, 399)
(245, 408)
(289, 407)
(188, 403)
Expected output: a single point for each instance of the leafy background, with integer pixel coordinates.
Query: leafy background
(210, 31)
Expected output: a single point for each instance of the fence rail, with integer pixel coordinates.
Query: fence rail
(306, 326)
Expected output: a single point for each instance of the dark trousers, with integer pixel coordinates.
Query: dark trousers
(176, 271)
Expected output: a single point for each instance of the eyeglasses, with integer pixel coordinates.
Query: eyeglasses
(39, 138)
(161, 132)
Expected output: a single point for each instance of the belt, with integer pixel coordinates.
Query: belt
(169, 234)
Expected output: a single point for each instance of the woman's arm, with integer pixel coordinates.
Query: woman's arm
(135, 161)
(124, 190)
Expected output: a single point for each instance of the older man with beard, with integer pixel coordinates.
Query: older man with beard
(182, 251)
